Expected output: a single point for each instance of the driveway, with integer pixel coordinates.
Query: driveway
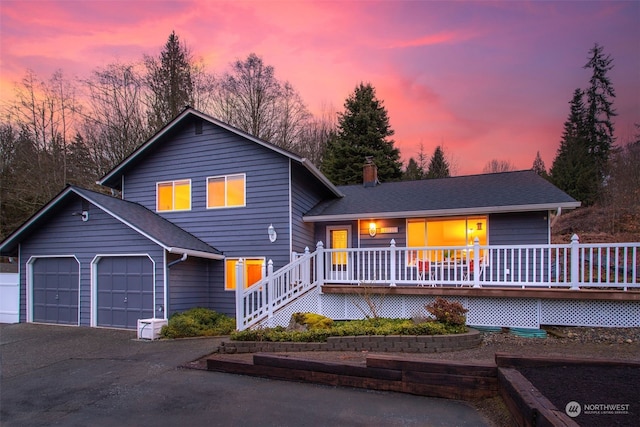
(70, 376)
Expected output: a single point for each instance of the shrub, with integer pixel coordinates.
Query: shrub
(311, 320)
(447, 312)
(375, 326)
(198, 322)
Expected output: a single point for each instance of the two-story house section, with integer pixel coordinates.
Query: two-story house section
(189, 203)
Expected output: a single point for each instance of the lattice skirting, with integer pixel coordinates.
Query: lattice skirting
(500, 312)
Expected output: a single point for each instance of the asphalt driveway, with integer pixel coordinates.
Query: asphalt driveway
(70, 376)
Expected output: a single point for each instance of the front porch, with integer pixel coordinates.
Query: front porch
(515, 286)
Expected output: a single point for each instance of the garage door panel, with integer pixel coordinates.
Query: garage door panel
(125, 291)
(55, 290)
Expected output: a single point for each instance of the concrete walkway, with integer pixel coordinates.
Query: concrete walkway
(70, 376)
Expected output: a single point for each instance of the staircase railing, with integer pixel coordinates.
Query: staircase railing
(261, 300)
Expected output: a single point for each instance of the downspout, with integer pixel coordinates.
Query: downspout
(177, 261)
(555, 218)
(171, 264)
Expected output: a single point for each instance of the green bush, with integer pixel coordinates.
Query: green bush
(198, 322)
(373, 326)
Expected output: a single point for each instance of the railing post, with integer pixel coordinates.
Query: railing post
(575, 262)
(392, 263)
(306, 268)
(240, 306)
(269, 290)
(476, 262)
(320, 264)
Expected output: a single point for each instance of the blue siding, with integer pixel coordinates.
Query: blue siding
(304, 197)
(190, 285)
(237, 232)
(519, 228)
(65, 234)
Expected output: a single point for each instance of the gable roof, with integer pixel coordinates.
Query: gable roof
(464, 195)
(112, 178)
(149, 224)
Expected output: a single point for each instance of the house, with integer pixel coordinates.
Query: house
(202, 211)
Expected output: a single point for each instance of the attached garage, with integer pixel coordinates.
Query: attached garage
(55, 285)
(96, 260)
(124, 290)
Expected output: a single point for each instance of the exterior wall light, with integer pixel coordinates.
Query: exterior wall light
(272, 233)
(372, 229)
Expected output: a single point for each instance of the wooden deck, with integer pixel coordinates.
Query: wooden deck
(493, 292)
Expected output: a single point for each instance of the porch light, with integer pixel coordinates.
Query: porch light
(372, 229)
(272, 233)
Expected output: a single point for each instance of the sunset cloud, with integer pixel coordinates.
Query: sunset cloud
(486, 79)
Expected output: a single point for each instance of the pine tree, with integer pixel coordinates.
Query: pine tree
(538, 166)
(574, 169)
(413, 172)
(169, 81)
(363, 130)
(600, 109)
(438, 166)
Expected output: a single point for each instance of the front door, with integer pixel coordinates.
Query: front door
(339, 237)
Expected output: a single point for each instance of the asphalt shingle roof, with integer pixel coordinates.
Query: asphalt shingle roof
(500, 191)
(148, 222)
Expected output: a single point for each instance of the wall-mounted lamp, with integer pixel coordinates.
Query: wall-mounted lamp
(84, 215)
(372, 229)
(272, 233)
(479, 226)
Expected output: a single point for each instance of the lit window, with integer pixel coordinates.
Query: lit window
(252, 272)
(446, 232)
(226, 191)
(173, 196)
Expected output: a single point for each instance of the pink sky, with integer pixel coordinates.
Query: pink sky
(485, 79)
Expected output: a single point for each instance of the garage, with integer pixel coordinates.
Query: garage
(56, 285)
(124, 291)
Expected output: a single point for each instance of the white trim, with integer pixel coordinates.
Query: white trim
(173, 195)
(29, 284)
(165, 287)
(441, 212)
(226, 180)
(290, 179)
(94, 281)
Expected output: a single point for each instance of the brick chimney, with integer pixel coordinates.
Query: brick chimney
(369, 172)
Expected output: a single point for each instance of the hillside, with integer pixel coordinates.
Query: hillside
(596, 224)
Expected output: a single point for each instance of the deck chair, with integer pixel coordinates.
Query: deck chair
(424, 272)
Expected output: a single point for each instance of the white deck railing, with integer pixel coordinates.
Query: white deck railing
(572, 266)
(262, 299)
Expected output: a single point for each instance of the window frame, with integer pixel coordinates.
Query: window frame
(262, 260)
(226, 189)
(173, 195)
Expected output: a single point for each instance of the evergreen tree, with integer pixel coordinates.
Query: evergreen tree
(363, 130)
(573, 169)
(169, 81)
(538, 166)
(438, 166)
(413, 172)
(600, 109)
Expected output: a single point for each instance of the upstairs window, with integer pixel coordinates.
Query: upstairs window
(226, 191)
(173, 196)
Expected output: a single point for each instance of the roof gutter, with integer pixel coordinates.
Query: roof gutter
(441, 212)
(197, 254)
